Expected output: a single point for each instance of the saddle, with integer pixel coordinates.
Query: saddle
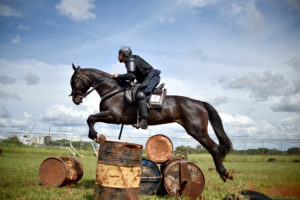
(155, 100)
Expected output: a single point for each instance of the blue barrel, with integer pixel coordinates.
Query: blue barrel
(150, 178)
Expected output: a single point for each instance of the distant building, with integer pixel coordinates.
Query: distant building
(199, 147)
(29, 139)
(41, 140)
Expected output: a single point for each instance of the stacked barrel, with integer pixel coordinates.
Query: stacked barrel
(118, 170)
(177, 176)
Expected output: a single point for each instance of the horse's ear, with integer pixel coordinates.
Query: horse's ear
(74, 67)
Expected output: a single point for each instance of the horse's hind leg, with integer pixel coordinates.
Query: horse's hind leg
(198, 130)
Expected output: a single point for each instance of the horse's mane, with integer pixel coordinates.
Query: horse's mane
(107, 76)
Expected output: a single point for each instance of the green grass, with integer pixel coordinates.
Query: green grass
(19, 177)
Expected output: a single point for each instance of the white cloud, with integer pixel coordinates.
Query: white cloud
(31, 79)
(60, 115)
(177, 86)
(242, 126)
(118, 68)
(7, 80)
(4, 112)
(197, 3)
(290, 103)
(289, 127)
(7, 95)
(235, 9)
(246, 15)
(77, 10)
(7, 11)
(213, 100)
(255, 19)
(262, 86)
(20, 124)
(294, 62)
(22, 27)
(16, 39)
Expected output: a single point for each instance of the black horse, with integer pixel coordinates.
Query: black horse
(192, 114)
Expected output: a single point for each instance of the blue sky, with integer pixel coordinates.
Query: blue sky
(243, 57)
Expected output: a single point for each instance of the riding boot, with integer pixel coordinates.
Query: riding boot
(142, 110)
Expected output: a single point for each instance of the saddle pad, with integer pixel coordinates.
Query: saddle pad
(157, 100)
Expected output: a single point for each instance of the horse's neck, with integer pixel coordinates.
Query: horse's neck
(101, 81)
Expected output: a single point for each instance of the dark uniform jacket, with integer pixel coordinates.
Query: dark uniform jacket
(137, 68)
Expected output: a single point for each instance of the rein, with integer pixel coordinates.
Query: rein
(91, 90)
(105, 96)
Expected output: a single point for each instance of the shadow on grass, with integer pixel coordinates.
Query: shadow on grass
(87, 184)
(89, 197)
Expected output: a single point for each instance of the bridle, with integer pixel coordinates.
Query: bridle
(87, 92)
(105, 96)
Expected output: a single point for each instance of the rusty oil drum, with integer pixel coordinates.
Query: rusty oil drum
(60, 171)
(118, 172)
(159, 148)
(183, 178)
(151, 177)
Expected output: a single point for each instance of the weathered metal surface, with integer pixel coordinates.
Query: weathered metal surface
(178, 156)
(151, 177)
(159, 148)
(111, 193)
(118, 170)
(183, 178)
(59, 171)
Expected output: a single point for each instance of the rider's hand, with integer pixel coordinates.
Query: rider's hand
(116, 75)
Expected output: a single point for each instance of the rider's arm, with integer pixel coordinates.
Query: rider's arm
(131, 67)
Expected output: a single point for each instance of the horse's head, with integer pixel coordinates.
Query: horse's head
(79, 84)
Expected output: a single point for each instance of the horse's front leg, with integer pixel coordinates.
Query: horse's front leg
(100, 117)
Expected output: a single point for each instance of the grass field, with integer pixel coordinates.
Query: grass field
(19, 177)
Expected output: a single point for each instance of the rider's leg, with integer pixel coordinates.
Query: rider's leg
(142, 109)
(151, 85)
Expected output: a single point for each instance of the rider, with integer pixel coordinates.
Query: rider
(145, 74)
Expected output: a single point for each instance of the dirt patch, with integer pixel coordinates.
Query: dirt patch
(284, 191)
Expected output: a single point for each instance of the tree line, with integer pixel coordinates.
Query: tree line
(80, 145)
(259, 151)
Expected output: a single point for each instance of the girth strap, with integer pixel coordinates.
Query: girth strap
(108, 95)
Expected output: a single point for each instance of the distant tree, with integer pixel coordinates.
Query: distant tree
(13, 140)
(293, 151)
(61, 143)
(187, 149)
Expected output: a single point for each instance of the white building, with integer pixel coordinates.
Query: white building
(29, 139)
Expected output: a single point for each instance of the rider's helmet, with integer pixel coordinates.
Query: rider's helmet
(125, 51)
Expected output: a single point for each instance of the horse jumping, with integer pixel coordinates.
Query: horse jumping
(192, 115)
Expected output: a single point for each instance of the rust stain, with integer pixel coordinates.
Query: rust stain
(60, 171)
(183, 178)
(159, 148)
(118, 170)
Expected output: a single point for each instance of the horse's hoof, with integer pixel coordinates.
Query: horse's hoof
(224, 178)
(100, 139)
(229, 175)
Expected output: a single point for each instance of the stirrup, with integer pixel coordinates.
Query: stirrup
(135, 126)
(142, 126)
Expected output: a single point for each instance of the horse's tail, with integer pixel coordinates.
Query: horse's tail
(216, 122)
